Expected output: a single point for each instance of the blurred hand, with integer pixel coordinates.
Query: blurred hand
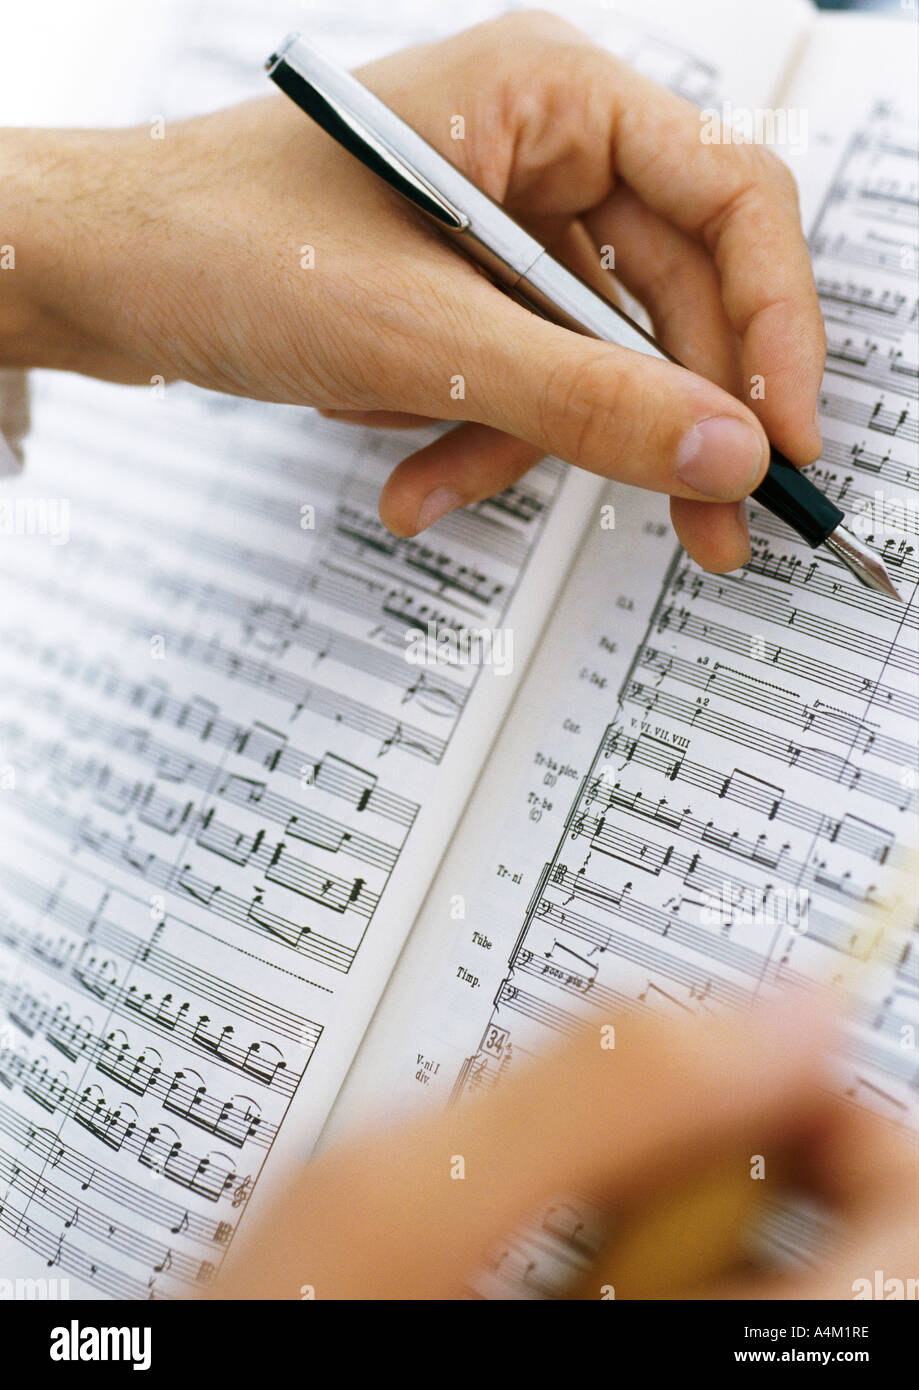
(382, 1217)
(184, 257)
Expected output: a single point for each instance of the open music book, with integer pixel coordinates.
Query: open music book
(301, 824)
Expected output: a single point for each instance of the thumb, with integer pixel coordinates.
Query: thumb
(609, 410)
(381, 1216)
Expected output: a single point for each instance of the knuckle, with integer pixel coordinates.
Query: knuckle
(767, 171)
(580, 398)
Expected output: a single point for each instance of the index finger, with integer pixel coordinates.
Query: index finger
(556, 121)
(740, 201)
(573, 101)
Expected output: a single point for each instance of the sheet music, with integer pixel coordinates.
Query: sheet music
(224, 789)
(219, 771)
(710, 781)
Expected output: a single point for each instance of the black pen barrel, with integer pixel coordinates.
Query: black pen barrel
(792, 497)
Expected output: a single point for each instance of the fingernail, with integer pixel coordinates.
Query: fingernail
(721, 457)
(437, 504)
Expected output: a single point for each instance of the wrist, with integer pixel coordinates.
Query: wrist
(29, 246)
(52, 247)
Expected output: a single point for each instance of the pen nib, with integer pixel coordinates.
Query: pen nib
(863, 562)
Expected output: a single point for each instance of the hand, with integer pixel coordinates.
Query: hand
(382, 1217)
(184, 257)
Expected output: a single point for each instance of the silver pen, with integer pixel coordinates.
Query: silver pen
(516, 261)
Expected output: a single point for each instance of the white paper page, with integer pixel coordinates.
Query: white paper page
(706, 784)
(224, 789)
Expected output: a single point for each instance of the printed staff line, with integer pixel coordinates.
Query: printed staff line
(831, 767)
(78, 919)
(667, 760)
(189, 487)
(256, 741)
(441, 696)
(822, 576)
(844, 491)
(211, 1114)
(122, 795)
(74, 1039)
(489, 538)
(874, 251)
(303, 694)
(870, 840)
(748, 692)
(753, 792)
(66, 1255)
(140, 1200)
(863, 460)
(506, 545)
(771, 606)
(896, 424)
(118, 1133)
(893, 1062)
(162, 964)
(376, 589)
(273, 1078)
(195, 436)
(892, 209)
(364, 528)
(795, 662)
(853, 305)
(608, 940)
(560, 1020)
(711, 945)
(885, 376)
(127, 1240)
(739, 959)
(91, 1108)
(898, 556)
(286, 627)
(656, 859)
(299, 876)
(250, 914)
(798, 1230)
(532, 962)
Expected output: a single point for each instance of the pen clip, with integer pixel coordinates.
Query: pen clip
(349, 131)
